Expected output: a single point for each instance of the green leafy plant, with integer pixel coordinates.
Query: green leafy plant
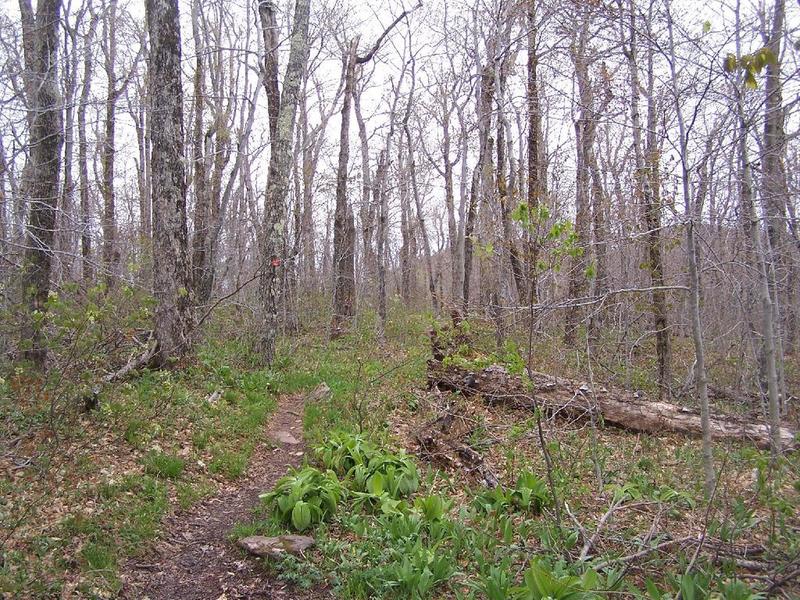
(691, 586)
(164, 465)
(371, 469)
(496, 583)
(739, 590)
(433, 508)
(543, 582)
(418, 570)
(530, 494)
(304, 497)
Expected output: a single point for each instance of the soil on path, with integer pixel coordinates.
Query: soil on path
(195, 559)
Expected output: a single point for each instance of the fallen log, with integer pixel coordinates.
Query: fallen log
(442, 440)
(630, 410)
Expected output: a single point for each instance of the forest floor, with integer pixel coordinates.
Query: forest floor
(194, 558)
(146, 495)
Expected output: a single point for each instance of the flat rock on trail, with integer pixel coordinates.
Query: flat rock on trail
(195, 559)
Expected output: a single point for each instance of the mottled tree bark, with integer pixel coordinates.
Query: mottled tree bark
(583, 145)
(510, 255)
(275, 208)
(110, 252)
(774, 190)
(87, 268)
(40, 184)
(171, 271)
(485, 99)
(775, 260)
(269, 30)
(535, 164)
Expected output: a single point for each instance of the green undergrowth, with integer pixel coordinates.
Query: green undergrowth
(368, 377)
(93, 487)
(390, 526)
(100, 482)
(425, 540)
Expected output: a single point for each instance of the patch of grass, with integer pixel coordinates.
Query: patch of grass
(230, 463)
(189, 494)
(136, 433)
(99, 558)
(267, 527)
(164, 465)
(201, 439)
(136, 516)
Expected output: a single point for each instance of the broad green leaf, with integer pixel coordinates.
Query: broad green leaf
(301, 516)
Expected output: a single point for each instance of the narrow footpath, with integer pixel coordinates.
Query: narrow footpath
(194, 558)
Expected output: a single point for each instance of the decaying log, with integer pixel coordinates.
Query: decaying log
(630, 410)
(441, 440)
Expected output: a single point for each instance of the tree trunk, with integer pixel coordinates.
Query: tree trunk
(534, 188)
(694, 215)
(510, 257)
(110, 252)
(412, 172)
(171, 271)
(201, 280)
(648, 184)
(485, 100)
(583, 145)
(40, 186)
(275, 210)
(367, 208)
(449, 200)
(381, 199)
(269, 29)
(65, 242)
(87, 269)
(774, 192)
(343, 222)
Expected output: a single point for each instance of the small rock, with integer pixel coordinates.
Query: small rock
(286, 438)
(276, 546)
(319, 394)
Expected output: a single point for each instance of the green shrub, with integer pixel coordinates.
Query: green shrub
(371, 469)
(541, 581)
(304, 497)
(342, 451)
(530, 494)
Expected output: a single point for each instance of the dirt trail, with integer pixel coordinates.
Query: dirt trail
(195, 559)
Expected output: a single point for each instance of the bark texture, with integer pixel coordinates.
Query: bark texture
(40, 185)
(275, 211)
(171, 272)
(344, 283)
(568, 397)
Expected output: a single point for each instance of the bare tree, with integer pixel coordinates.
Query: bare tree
(693, 211)
(646, 155)
(344, 234)
(41, 177)
(87, 268)
(171, 272)
(412, 169)
(278, 178)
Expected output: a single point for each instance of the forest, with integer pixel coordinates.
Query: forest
(489, 299)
